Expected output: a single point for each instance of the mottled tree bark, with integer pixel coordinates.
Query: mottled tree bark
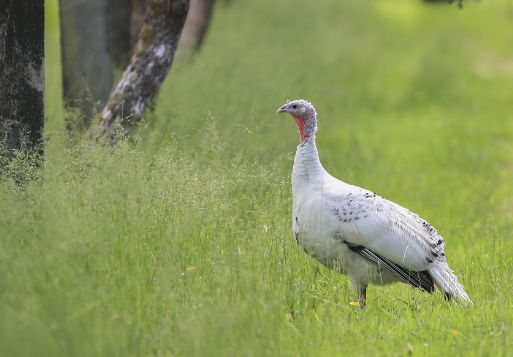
(149, 64)
(196, 25)
(22, 74)
(87, 75)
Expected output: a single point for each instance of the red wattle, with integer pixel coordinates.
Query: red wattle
(301, 125)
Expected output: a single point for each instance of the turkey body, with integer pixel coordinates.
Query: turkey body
(324, 211)
(358, 233)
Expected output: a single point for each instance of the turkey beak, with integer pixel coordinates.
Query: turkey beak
(282, 109)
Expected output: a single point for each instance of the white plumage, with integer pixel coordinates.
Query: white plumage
(357, 233)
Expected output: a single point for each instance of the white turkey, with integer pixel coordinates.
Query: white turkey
(358, 233)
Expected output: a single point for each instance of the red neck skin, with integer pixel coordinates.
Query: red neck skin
(304, 129)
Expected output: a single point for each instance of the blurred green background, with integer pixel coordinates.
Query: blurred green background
(378, 72)
(179, 242)
(410, 96)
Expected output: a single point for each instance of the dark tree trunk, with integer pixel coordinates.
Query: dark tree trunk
(149, 64)
(22, 74)
(86, 69)
(196, 25)
(4, 17)
(118, 31)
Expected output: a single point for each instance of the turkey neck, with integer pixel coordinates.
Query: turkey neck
(307, 166)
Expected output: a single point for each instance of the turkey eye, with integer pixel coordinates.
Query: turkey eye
(294, 106)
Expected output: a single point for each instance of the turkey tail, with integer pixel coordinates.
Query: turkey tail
(448, 284)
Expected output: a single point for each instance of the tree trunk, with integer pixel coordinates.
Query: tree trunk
(149, 64)
(196, 25)
(118, 32)
(136, 21)
(86, 69)
(22, 74)
(4, 18)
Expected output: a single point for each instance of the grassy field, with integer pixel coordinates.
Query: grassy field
(178, 241)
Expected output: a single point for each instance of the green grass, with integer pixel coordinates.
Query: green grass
(178, 242)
